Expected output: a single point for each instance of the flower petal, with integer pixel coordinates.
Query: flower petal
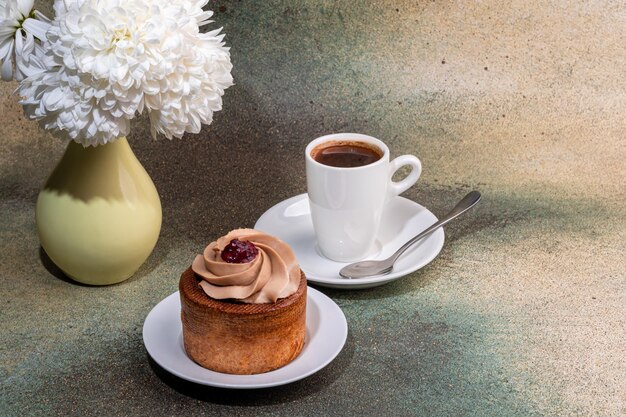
(42, 17)
(7, 30)
(36, 27)
(5, 46)
(25, 7)
(7, 64)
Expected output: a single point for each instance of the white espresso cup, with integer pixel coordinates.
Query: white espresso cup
(347, 203)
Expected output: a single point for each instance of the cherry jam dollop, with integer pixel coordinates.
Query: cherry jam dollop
(239, 252)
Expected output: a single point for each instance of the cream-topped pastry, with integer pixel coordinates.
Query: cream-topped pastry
(243, 304)
(273, 272)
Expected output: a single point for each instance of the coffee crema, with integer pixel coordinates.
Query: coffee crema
(346, 153)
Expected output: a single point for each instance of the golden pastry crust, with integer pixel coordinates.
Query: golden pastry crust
(237, 338)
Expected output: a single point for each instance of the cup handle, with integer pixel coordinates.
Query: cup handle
(399, 187)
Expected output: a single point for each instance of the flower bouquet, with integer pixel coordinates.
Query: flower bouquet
(84, 75)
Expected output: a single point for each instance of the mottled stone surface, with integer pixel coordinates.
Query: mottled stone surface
(523, 312)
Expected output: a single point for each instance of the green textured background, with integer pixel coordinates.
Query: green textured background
(523, 312)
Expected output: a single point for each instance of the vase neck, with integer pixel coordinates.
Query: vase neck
(117, 145)
(109, 171)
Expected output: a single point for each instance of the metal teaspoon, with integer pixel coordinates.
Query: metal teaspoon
(363, 269)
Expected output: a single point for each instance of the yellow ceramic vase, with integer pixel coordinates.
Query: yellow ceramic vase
(99, 214)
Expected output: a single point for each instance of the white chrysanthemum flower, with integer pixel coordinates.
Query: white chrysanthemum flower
(21, 31)
(108, 60)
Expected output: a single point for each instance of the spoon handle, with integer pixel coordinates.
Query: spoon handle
(462, 206)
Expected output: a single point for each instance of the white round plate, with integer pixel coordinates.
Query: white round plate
(326, 333)
(290, 220)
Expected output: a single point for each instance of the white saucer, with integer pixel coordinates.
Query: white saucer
(326, 333)
(290, 220)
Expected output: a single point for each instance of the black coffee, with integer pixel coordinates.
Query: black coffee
(346, 154)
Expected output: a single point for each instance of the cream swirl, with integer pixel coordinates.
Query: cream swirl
(273, 274)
